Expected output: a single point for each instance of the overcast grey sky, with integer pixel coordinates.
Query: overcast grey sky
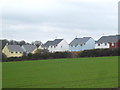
(44, 20)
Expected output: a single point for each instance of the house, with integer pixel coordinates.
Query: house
(13, 51)
(112, 41)
(80, 44)
(40, 47)
(29, 48)
(58, 45)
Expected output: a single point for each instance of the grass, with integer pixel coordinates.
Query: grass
(100, 72)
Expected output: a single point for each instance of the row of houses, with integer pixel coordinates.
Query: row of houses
(60, 45)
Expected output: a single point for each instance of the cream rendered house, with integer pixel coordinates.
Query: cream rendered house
(13, 51)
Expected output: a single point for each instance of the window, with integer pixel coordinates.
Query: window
(113, 44)
(54, 46)
(76, 45)
(16, 52)
(84, 43)
(71, 45)
(105, 44)
(51, 46)
(61, 46)
(98, 44)
(81, 45)
(11, 52)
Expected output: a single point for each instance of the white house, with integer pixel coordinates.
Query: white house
(80, 44)
(112, 41)
(58, 45)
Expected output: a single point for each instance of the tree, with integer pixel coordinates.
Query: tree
(37, 43)
(4, 57)
(22, 43)
(29, 55)
(4, 42)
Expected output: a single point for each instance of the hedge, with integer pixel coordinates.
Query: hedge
(43, 54)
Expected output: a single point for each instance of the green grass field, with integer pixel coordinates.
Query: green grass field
(100, 72)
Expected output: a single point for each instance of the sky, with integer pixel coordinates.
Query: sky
(44, 20)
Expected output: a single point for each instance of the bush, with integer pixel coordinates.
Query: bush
(4, 57)
(61, 55)
(100, 52)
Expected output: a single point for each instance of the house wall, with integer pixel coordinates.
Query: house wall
(9, 54)
(34, 51)
(102, 45)
(90, 44)
(118, 43)
(61, 47)
(40, 47)
(115, 45)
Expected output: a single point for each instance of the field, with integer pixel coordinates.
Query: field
(100, 72)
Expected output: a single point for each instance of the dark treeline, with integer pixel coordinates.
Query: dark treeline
(44, 54)
(22, 42)
(13, 42)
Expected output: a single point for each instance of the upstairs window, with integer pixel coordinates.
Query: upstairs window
(76, 45)
(61, 46)
(98, 44)
(81, 45)
(11, 52)
(105, 44)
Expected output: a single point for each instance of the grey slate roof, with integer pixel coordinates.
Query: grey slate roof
(52, 43)
(78, 41)
(15, 48)
(107, 39)
(29, 48)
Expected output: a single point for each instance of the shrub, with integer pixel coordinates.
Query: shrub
(100, 52)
